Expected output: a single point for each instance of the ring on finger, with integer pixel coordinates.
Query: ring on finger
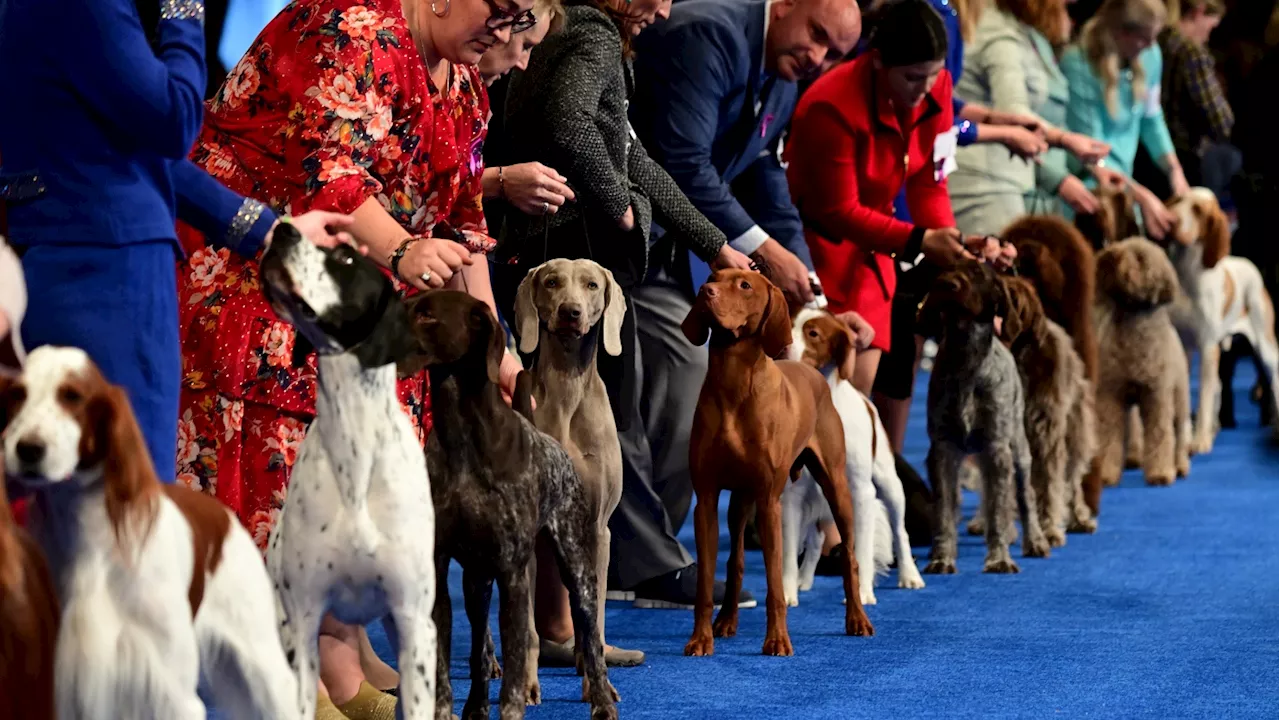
(546, 207)
(425, 277)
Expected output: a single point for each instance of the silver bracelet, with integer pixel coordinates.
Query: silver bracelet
(182, 10)
(248, 214)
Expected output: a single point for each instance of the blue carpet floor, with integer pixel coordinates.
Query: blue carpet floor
(1169, 611)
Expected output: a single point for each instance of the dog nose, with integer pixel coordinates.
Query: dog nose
(29, 452)
(285, 235)
(570, 312)
(710, 290)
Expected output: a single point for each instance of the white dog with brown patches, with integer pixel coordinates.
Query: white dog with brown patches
(879, 506)
(1226, 298)
(160, 584)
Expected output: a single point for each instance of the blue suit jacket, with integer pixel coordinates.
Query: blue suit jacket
(98, 153)
(698, 78)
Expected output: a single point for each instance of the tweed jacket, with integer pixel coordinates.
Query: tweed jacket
(568, 110)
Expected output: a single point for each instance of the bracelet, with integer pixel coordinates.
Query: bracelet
(398, 255)
(502, 184)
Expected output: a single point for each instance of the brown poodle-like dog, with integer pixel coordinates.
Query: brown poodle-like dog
(1059, 262)
(1115, 220)
(1140, 361)
(1059, 412)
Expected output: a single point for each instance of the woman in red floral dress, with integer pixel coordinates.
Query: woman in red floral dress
(372, 108)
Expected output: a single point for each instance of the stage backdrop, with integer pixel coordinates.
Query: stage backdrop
(245, 18)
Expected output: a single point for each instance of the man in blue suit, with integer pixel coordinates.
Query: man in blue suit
(715, 87)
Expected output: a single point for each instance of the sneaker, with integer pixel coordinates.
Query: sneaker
(678, 590)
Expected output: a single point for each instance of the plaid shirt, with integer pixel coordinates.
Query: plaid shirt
(1195, 107)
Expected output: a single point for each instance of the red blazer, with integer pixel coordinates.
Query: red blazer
(846, 156)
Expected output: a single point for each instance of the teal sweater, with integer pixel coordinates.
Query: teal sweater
(1137, 119)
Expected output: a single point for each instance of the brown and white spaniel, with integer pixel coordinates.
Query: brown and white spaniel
(159, 582)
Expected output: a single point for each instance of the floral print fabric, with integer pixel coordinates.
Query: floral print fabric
(330, 106)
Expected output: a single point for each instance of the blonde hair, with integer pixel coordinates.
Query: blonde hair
(1178, 8)
(1097, 41)
(553, 11)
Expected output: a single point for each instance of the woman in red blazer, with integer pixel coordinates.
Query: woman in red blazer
(858, 135)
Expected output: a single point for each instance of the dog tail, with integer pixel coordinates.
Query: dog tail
(522, 400)
(883, 539)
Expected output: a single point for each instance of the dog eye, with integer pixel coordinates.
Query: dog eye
(551, 283)
(813, 333)
(70, 396)
(593, 285)
(744, 285)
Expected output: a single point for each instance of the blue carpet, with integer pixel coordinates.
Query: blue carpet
(1169, 611)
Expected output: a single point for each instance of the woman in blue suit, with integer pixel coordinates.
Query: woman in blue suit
(94, 176)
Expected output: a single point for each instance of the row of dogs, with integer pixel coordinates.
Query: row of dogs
(160, 585)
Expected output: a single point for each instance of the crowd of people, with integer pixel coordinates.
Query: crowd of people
(851, 150)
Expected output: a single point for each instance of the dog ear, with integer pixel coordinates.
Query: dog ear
(302, 348)
(1021, 315)
(775, 327)
(1215, 237)
(485, 327)
(847, 353)
(526, 312)
(695, 327)
(615, 311)
(413, 361)
(128, 474)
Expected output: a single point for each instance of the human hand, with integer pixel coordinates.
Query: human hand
(1024, 143)
(1085, 148)
(1109, 178)
(863, 333)
(991, 249)
(786, 271)
(1075, 194)
(628, 220)
(507, 373)
(1026, 121)
(431, 262)
(1157, 219)
(943, 248)
(534, 188)
(322, 228)
(730, 259)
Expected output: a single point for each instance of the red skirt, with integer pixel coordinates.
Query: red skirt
(854, 279)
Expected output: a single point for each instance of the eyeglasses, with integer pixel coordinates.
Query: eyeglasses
(500, 18)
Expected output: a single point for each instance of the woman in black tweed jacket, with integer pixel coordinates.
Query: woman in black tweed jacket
(568, 110)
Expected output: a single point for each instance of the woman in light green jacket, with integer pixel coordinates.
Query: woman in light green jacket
(1010, 66)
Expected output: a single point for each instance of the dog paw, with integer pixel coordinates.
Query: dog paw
(586, 690)
(1056, 538)
(806, 585)
(940, 567)
(1132, 463)
(533, 693)
(1036, 549)
(977, 526)
(725, 626)
(868, 597)
(857, 623)
(1184, 467)
(700, 646)
(910, 579)
(1086, 525)
(1003, 566)
(778, 645)
(1160, 479)
(1200, 446)
(793, 599)
(604, 712)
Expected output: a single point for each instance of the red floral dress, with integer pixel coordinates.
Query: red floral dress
(330, 106)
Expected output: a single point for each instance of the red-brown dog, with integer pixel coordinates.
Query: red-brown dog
(757, 423)
(29, 612)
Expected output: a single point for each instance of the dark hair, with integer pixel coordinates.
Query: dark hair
(619, 18)
(906, 32)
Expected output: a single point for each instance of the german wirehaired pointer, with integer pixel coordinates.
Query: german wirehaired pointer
(975, 407)
(758, 421)
(357, 532)
(160, 583)
(497, 483)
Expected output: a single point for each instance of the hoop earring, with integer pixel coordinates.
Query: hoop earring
(437, 13)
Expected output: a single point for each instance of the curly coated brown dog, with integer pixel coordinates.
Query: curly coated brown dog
(758, 422)
(1115, 220)
(1140, 361)
(1059, 262)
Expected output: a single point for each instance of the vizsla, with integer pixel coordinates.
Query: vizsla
(758, 422)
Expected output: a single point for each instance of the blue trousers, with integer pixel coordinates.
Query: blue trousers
(120, 305)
